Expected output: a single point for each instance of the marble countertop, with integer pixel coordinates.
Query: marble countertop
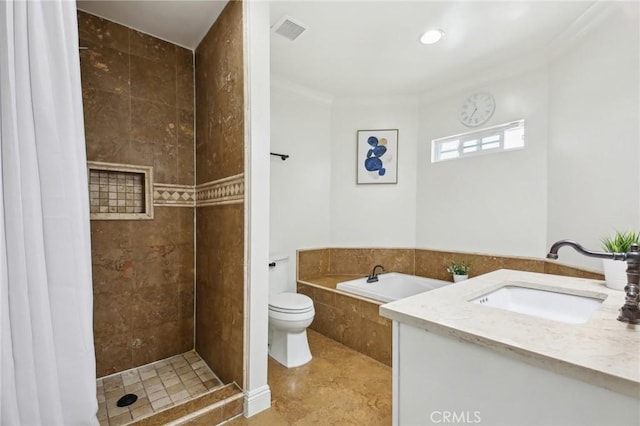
(603, 351)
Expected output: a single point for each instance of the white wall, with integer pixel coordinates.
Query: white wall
(495, 203)
(594, 154)
(373, 215)
(582, 129)
(300, 185)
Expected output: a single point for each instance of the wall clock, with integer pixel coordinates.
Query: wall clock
(477, 109)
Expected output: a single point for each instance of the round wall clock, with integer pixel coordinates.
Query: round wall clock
(477, 109)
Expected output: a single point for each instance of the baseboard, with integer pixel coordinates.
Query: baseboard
(257, 400)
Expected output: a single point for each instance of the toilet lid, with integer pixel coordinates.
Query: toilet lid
(290, 302)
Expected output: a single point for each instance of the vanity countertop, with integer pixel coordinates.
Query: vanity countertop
(603, 351)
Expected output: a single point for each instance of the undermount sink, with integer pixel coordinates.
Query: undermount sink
(562, 307)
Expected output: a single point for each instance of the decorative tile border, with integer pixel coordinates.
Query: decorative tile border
(229, 190)
(165, 194)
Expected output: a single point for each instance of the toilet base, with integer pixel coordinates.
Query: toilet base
(289, 349)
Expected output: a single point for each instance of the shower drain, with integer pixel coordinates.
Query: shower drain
(127, 400)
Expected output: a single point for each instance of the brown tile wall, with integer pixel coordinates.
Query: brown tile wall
(312, 263)
(353, 322)
(138, 109)
(220, 229)
(362, 260)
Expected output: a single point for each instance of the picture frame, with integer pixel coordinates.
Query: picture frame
(377, 156)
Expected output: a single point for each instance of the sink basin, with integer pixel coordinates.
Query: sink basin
(562, 307)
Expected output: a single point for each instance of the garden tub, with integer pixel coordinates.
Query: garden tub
(390, 286)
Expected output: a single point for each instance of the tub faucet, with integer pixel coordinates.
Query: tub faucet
(373, 278)
(630, 311)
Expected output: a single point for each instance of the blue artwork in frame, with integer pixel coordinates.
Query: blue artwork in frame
(377, 156)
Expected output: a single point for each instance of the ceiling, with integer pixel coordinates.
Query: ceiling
(371, 48)
(182, 22)
(355, 48)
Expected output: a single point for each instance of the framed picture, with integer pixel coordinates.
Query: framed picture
(377, 156)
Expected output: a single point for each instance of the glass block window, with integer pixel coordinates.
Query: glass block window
(119, 191)
(493, 139)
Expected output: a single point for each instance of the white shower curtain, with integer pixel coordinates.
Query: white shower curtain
(47, 356)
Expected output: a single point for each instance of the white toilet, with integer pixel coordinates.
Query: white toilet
(289, 316)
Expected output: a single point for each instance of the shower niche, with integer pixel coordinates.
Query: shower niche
(120, 191)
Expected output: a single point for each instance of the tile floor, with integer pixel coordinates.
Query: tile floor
(338, 387)
(159, 385)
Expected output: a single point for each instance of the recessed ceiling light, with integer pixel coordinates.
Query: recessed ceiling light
(431, 36)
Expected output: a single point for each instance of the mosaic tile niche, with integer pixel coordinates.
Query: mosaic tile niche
(118, 191)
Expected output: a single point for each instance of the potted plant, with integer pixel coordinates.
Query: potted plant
(615, 271)
(459, 270)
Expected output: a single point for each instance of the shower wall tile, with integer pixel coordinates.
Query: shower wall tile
(184, 79)
(219, 74)
(220, 98)
(143, 271)
(107, 69)
(153, 80)
(220, 289)
(98, 31)
(106, 121)
(149, 47)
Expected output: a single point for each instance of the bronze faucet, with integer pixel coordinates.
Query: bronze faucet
(373, 278)
(630, 311)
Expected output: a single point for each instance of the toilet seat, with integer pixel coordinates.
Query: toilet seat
(290, 303)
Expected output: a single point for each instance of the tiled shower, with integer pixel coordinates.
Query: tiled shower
(143, 98)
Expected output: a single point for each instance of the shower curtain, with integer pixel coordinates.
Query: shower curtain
(47, 374)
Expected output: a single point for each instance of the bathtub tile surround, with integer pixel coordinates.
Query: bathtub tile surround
(219, 77)
(347, 319)
(360, 261)
(355, 321)
(136, 109)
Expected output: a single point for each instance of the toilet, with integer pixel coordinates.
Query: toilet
(289, 316)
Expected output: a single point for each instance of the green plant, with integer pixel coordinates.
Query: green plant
(620, 242)
(459, 268)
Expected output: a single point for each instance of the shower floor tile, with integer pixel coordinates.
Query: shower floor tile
(158, 385)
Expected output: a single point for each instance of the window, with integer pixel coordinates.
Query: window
(493, 139)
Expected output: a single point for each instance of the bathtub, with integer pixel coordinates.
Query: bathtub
(390, 286)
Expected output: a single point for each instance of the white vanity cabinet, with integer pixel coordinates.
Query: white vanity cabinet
(459, 362)
(440, 380)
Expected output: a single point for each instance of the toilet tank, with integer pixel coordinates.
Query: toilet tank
(278, 273)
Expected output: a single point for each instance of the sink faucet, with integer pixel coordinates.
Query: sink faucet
(630, 311)
(373, 278)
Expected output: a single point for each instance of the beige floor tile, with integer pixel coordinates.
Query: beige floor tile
(114, 411)
(161, 403)
(134, 388)
(192, 382)
(179, 387)
(141, 411)
(197, 390)
(154, 388)
(189, 374)
(152, 381)
(172, 381)
(145, 375)
(180, 396)
(162, 393)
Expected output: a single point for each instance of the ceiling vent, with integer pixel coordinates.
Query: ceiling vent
(288, 28)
